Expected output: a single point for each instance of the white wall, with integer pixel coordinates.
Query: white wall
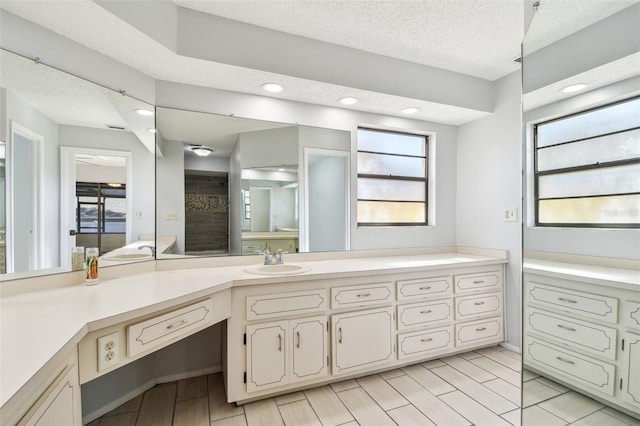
(100, 174)
(488, 182)
(170, 193)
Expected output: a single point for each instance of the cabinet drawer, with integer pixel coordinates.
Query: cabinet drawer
(478, 306)
(361, 295)
(471, 333)
(631, 314)
(422, 314)
(249, 246)
(581, 335)
(284, 304)
(588, 305)
(579, 369)
(424, 342)
(425, 287)
(177, 324)
(479, 281)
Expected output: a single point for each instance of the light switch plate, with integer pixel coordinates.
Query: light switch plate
(108, 351)
(510, 215)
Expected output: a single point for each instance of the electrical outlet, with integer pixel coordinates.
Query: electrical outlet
(511, 215)
(108, 350)
(172, 216)
(138, 215)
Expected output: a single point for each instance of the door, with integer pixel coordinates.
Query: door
(308, 348)
(631, 372)
(267, 360)
(362, 339)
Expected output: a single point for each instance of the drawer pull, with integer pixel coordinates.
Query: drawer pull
(479, 303)
(340, 335)
(426, 312)
(176, 324)
(426, 340)
(565, 360)
(298, 336)
(479, 282)
(481, 329)
(364, 294)
(564, 327)
(426, 288)
(564, 299)
(279, 342)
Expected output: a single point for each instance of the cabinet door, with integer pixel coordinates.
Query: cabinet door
(362, 339)
(308, 348)
(60, 404)
(267, 360)
(631, 372)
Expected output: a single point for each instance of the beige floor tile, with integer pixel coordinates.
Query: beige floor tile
(194, 387)
(363, 408)
(263, 413)
(498, 370)
(505, 390)
(571, 406)
(433, 363)
(436, 410)
(476, 373)
(502, 358)
(534, 392)
(341, 386)
(621, 416)
(125, 419)
(536, 416)
(127, 407)
(290, 397)
(552, 384)
(96, 422)
(353, 423)
(382, 392)
(512, 354)
(475, 390)
(240, 420)
(409, 415)
(513, 417)
(219, 408)
(599, 418)
(470, 355)
(428, 379)
(299, 413)
(328, 407)
(391, 374)
(472, 410)
(192, 412)
(158, 405)
(528, 375)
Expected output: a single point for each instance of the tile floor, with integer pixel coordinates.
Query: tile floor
(475, 388)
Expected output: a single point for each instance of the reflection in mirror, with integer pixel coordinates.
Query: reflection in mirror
(79, 169)
(581, 76)
(244, 194)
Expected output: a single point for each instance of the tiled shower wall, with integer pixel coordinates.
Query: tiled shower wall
(206, 213)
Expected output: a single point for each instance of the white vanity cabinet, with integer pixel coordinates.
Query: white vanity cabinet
(580, 330)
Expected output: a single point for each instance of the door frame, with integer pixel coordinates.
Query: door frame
(37, 162)
(68, 194)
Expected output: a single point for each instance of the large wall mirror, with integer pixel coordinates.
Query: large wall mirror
(580, 59)
(237, 186)
(77, 170)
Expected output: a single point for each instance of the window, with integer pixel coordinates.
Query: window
(587, 168)
(101, 208)
(392, 178)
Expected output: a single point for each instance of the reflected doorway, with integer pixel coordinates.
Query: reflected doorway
(206, 210)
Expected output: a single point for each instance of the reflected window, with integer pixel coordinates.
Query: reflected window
(587, 168)
(101, 208)
(392, 178)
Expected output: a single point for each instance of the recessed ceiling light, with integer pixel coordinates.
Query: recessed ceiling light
(410, 110)
(152, 130)
(280, 169)
(145, 112)
(201, 150)
(272, 87)
(574, 88)
(348, 100)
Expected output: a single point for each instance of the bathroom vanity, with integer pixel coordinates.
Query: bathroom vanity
(342, 318)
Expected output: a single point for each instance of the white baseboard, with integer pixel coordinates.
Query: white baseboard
(89, 417)
(511, 347)
(189, 374)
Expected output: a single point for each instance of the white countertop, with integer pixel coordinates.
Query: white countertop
(36, 325)
(594, 274)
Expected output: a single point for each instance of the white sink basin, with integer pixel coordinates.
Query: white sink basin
(128, 256)
(283, 269)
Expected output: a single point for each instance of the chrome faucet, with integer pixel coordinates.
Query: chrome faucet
(152, 248)
(274, 258)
